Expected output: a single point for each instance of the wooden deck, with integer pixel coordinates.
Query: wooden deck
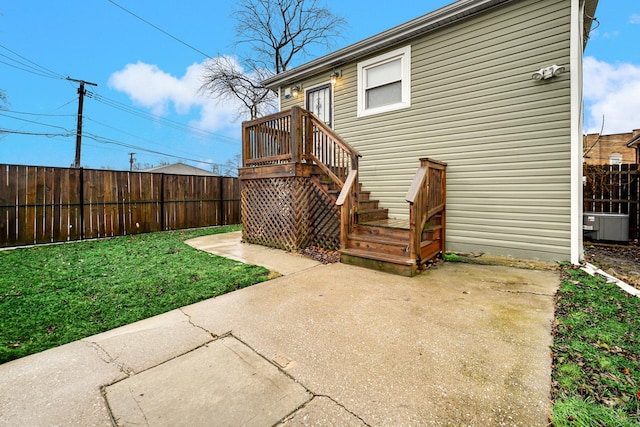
(300, 187)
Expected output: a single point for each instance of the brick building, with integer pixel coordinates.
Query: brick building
(611, 149)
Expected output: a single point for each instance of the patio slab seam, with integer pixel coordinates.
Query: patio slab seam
(228, 334)
(291, 377)
(132, 373)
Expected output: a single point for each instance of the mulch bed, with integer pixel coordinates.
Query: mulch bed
(321, 255)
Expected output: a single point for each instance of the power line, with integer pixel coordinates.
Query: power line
(162, 120)
(110, 141)
(34, 122)
(135, 147)
(28, 70)
(30, 66)
(160, 29)
(48, 135)
(137, 136)
(70, 133)
(41, 114)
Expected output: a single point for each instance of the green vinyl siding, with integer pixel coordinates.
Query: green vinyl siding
(506, 138)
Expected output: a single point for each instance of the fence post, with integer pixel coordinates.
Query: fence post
(81, 203)
(221, 204)
(162, 224)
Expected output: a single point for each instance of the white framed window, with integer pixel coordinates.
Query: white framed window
(384, 82)
(615, 159)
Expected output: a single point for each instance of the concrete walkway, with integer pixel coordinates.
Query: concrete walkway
(322, 345)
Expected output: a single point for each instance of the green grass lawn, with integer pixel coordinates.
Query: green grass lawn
(55, 294)
(596, 354)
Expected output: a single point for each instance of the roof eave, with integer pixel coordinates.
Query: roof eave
(589, 16)
(634, 142)
(401, 33)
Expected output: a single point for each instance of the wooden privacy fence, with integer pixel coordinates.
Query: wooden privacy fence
(47, 204)
(614, 189)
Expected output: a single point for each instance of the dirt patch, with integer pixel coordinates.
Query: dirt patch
(620, 261)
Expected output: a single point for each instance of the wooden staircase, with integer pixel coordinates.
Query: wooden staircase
(282, 152)
(382, 243)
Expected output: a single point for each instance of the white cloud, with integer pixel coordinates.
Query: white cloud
(635, 19)
(153, 88)
(612, 90)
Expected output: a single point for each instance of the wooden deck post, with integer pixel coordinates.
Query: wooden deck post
(246, 142)
(296, 134)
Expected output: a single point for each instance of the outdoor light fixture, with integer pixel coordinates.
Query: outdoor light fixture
(548, 72)
(334, 76)
(295, 91)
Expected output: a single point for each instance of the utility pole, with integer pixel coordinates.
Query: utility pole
(131, 159)
(81, 93)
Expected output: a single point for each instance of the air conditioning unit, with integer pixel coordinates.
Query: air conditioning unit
(606, 226)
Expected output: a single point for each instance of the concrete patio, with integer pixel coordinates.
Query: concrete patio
(459, 344)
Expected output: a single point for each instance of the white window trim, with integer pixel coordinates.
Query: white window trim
(616, 158)
(404, 54)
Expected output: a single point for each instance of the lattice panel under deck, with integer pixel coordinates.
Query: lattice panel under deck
(289, 213)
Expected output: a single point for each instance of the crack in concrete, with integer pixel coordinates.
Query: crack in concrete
(107, 358)
(288, 375)
(290, 416)
(271, 362)
(213, 335)
(506, 291)
(146, 420)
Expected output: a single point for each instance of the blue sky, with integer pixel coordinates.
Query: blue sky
(147, 102)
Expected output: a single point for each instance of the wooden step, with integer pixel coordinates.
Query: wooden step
(366, 205)
(378, 245)
(433, 233)
(403, 266)
(369, 229)
(372, 215)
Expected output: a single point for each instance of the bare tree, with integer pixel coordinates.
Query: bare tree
(4, 100)
(225, 79)
(231, 166)
(137, 166)
(276, 32)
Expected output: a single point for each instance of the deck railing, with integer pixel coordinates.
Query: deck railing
(426, 198)
(297, 136)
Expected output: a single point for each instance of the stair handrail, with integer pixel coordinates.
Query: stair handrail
(426, 197)
(327, 149)
(348, 200)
